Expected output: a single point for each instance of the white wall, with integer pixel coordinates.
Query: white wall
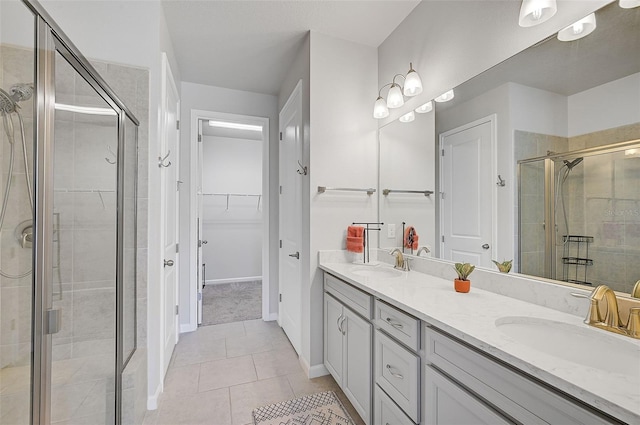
(343, 153)
(233, 231)
(217, 99)
(619, 98)
(476, 36)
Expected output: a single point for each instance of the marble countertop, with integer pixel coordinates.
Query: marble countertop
(472, 317)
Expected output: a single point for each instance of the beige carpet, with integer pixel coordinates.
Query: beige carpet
(315, 409)
(231, 302)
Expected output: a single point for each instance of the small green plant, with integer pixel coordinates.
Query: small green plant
(504, 267)
(464, 270)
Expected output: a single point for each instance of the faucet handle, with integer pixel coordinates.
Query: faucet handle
(633, 326)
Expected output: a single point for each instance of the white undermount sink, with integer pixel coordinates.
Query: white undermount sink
(582, 345)
(377, 272)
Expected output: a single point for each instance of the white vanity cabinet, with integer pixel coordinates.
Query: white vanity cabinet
(490, 391)
(348, 342)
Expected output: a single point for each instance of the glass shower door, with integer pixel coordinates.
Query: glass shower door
(83, 371)
(17, 77)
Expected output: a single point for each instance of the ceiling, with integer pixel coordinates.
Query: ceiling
(567, 68)
(250, 45)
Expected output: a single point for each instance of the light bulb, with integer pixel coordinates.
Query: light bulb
(412, 82)
(445, 97)
(577, 28)
(408, 117)
(394, 98)
(380, 109)
(423, 109)
(536, 14)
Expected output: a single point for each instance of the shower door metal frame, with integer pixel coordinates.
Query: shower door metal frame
(550, 261)
(49, 39)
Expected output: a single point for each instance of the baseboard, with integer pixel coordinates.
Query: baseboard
(312, 371)
(188, 327)
(152, 400)
(232, 280)
(317, 371)
(271, 317)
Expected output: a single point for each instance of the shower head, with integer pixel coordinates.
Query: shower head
(571, 164)
(7, 104)
(21, 92)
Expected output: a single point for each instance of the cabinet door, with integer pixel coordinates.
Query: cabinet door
(449, 404)
(333, 346)
(357, 380)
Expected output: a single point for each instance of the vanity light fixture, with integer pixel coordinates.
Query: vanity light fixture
(395, 96)
(408, 117)
(423, 109)
(445, 97)
(582, 28)
(629, 4)
(234, 125)
(534, 12)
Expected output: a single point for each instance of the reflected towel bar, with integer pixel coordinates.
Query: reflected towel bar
(323, 189)
(385, 192)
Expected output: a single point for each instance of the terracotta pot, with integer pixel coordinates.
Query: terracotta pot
(462, 285)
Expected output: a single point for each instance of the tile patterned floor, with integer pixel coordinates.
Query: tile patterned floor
(220, 373)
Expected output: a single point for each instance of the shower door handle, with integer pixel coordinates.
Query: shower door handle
(486, 246)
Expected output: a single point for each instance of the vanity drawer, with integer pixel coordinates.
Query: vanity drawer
(509, 390)
(357, 300)
(387, 412)
(400, 325)
(397, 371)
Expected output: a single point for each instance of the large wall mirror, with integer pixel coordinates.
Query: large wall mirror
(538, 160)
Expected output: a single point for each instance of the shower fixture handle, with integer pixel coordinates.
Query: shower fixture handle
(168, 263)
(486, 246)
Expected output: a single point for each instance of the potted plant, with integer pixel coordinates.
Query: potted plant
(462, 284)
(504, 267)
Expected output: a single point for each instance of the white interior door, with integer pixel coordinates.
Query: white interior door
(169, 175)
(466, 202)
(200, 262)
(289, 315)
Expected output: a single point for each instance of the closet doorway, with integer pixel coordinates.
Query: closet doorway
(232, 218)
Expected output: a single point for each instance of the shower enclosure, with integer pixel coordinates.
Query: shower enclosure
(579, 216)
(67, 228)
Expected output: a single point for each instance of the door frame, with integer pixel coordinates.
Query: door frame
(197, 115)
(168, 83)
(493, 121)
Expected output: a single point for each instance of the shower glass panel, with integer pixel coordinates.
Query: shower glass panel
(592, 199)
(85, 231)
(532, 227)
(17, 55)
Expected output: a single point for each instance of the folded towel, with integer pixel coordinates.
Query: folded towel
(355, 239)
(410, 238)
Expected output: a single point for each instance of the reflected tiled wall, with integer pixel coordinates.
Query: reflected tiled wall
(602, 197)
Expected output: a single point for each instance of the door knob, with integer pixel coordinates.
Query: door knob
(204, 242)
(168, 263)
(296, 255)
(485, 246)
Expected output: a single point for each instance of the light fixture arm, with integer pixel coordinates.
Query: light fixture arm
(380, 91)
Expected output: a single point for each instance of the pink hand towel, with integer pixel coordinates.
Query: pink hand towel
(355, 240)
(410, 238)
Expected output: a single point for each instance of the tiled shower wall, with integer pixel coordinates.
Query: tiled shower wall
(602, 199)
(80, 222)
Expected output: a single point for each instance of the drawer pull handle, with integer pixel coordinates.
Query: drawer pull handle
(395, 325)
(395, 375)
(342, 324)
(338, 323)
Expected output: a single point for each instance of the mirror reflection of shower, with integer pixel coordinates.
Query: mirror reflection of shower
(10, 109)
(563, 174)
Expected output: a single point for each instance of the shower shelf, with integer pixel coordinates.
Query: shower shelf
(576, 253)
